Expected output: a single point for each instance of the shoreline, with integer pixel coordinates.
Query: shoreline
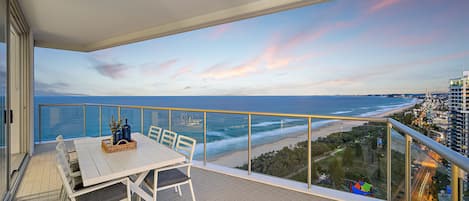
(239, 158)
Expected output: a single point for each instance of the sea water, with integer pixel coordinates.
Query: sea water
(225, 132)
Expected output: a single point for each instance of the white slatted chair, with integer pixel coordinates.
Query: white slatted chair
(169, 138)
(154, 133)
(109, 191)
(172, 176)
(69, 154)
(67, 167)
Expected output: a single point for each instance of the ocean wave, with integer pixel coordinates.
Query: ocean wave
(342, 112)
(386, 108)
(270, 123)
(216, 134)
(257, 138)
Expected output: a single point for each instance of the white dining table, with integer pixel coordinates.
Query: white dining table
(97, 166)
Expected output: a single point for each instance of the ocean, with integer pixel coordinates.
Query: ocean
(225, 132)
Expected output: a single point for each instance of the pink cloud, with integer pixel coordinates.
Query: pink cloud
(168, 64)
(108, 67)
(220, 30)
(158, 68)
(382, 4)
(219, 71)
(182, 71)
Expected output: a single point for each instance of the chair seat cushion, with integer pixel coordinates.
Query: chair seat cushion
(166, 178)
(111, 193)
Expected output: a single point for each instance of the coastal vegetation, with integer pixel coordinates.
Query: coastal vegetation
(338, 160)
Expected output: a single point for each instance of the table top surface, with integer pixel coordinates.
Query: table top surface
(97, 166)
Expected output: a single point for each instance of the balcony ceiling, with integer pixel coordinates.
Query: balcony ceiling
(88, 25)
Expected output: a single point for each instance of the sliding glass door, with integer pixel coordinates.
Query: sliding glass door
(3, 95)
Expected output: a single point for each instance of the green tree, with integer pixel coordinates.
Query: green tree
(347, 158)
(336, 172)
(358, 151)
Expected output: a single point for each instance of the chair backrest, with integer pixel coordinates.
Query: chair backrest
(63, 148)
(59, 138)
(186, 146)
(65, 173)
(154, 133)
(168, 138)
(64, 162)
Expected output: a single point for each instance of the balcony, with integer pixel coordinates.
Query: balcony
(402, 172)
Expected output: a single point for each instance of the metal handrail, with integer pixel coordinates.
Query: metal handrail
(347, 118)
(445, 152)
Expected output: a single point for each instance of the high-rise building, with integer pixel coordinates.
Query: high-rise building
(458, 135)
(458, 119)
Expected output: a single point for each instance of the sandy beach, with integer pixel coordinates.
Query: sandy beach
(239, 158)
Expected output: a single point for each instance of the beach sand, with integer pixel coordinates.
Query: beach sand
(239, 158)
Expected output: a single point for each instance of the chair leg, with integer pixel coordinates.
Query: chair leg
(61, 192)
(129, 195)
(179, 190)
(192, 190)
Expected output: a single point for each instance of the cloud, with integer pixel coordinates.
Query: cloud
(219, 71)
(158, 68)
(111, 69)
(382, 4)
(52, 89)
(168, 63)
(219, 30)
(183, 70)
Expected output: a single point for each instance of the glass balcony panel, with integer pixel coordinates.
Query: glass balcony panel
(430, 176)
(350, 156)
(154, 118)
(92, 121)
(397, 165)
(133, 116)
(61, 120)
(190, 124)
(108, 113)
(227, 139)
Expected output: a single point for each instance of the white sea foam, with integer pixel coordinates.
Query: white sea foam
(258, 138)
(386, 108)
(342, 112)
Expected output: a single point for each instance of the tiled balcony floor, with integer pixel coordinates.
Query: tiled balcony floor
(41, 182)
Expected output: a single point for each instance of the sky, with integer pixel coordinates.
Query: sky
(334, 48)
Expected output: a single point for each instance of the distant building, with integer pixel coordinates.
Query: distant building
(458, 116)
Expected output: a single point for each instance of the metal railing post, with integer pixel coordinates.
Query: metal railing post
(388, 161)
(205, 138)
(309, 153)
(408, 190)
(169, 119)
(249, 144)
(100, 120)
(40, 122)
(84, 120)
(141, 120)
(455, 194)
(118, 113)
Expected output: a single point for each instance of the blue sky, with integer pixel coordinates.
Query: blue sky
(337, 47)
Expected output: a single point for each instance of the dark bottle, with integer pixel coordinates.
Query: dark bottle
(117, 136)
(126, 131)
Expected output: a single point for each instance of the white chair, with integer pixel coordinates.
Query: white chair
(169, 138)
(75, 175)
(154, 133)
(109, 191)
(69, 154)
(172, 176)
